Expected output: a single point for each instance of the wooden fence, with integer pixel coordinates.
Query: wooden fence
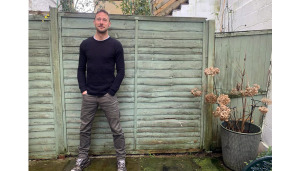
(164, 60)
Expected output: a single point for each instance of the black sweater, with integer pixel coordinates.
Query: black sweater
(99, 59)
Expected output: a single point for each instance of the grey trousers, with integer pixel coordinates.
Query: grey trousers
(110, 105)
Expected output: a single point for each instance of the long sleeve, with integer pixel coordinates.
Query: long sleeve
(120, 67)
(81, 77)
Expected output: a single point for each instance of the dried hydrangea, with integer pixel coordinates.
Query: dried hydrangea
(223, 112)
(250, 91)
(223, 99)
(211, 71)
(266, 101)
(196, 92)
(211, 98)
(263, 110)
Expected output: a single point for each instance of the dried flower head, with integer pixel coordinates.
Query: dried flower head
(223, 112)
(196, 92)
(266, 101)
(250, 91)
(211, 98)
(263, 110)
(223, 99)
(211, 71)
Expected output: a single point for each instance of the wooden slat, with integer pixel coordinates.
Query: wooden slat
(170, 51)
(42, 148)
(38, 44)
(41, 122)
(170, 26)
(40, 76)
(183, 35)
(169, 141)
(88, 24)
(85, 33)
(39, 69)
(161, 43)
(170, 105)
(41, 141)
(40, 115)
(39, 35)
(40, 100)
(40, 93)
(40, 107)
(166, 57)
(43, 155)
(39, 25)
(169, 65)
(39, 52)
(39, 61)
(169, 74)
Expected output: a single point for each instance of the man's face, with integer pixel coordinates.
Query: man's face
(102, 22)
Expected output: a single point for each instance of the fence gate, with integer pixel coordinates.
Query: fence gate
(164, 60)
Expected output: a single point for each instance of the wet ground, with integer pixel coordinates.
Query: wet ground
(137, 163)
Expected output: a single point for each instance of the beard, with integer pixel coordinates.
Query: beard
(101, 31)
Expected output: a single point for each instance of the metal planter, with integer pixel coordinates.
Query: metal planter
(237, 147)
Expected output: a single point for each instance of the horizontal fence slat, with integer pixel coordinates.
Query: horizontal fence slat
(39, 35)
(170, 51)
(170, 65)
(40, 84)
(39, 69)
(40, 93)
(169, 74)
(161, 43)
(38, 44)
(39, 61)
(39, 52)
(40, 115)
(85, 33)
(40, 100)
(170, 105)
(166, 57)
(177, 140)
(87, 23)
(39, 25)
(166, 35)
(41, 122)
(40, 107)
(40, 76)
(41, 141)
(170, 26)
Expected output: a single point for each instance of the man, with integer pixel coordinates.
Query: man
(97, 60)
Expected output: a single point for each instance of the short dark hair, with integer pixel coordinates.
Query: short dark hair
(104, 11)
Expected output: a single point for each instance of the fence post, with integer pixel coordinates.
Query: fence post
(208, 118)
(57, 103)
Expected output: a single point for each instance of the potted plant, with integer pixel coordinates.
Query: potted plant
(239, 136)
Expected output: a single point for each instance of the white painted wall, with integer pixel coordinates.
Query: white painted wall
(231, 15)
(41, 5)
